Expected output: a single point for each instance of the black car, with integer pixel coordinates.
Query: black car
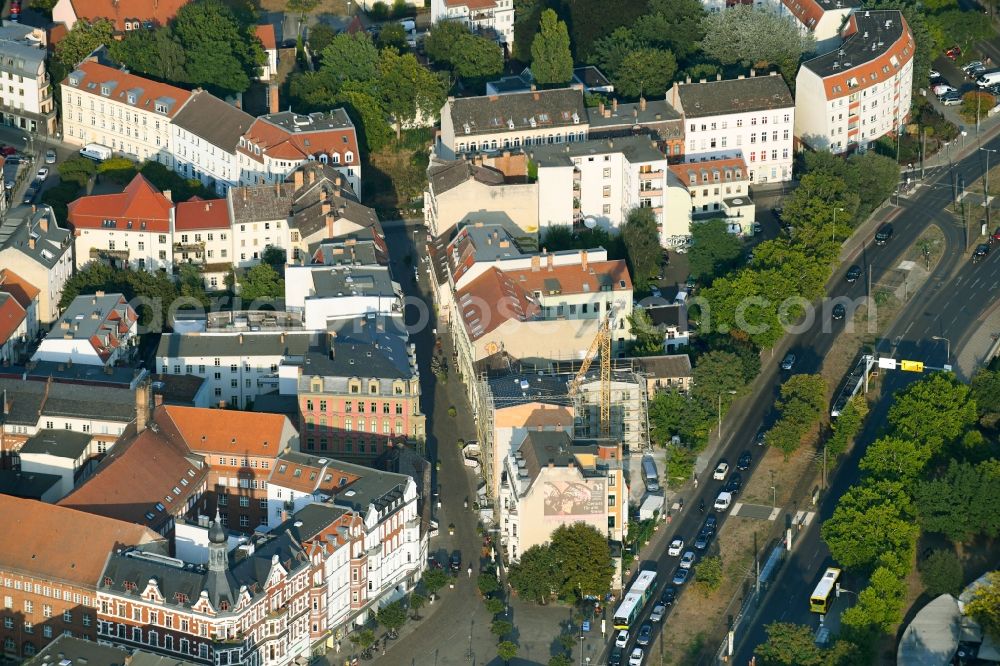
(704, 539)
(645, 634)
(30, 194)
(735, 484)
(839, 311)
(743, 464)
(982, 251)
(455, 562)
(711, 523)
(883, 234)
(669, 596)
(615, 658)
(853, 273)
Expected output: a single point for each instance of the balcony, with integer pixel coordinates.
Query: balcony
(651, 193)
(650, 175)
(103, 253)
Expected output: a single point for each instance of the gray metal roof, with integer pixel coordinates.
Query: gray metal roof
(21, 224)
(448, 175)
(373, 488)
(362, 350)
(352, 280)
(59, 443)
(87, 315)
(755, 93)
(72, 651)
(19, 56)
(27, 485)
(628, 115)
(179, 345)
(540, 109)
(208, 117)
(877, 34)
(309, 521)
(518, 389)
(314, 122)
(931, 638)
(635, 149)
(29, 401)
(673, 365)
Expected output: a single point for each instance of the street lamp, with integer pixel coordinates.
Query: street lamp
(986, 182)
(720, 408)
(833, 231)
(947, 349)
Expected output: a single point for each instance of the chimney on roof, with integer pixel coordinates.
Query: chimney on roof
(600, 108)
(324, 208)
(338, 180)
(99, 293)
(312, 176)
(43, 223)
(241, 339)
(331, 344)
(536, 263)
(273, 105)
(142, 406)
(687, 79)
(31, 242)
(329, 225)
(533, 89)
(583, 260)
(718, 76)
(549, 256)
(322, 194)
(33, 208)
(298, 179)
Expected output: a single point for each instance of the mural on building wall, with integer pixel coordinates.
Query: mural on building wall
(565, 499)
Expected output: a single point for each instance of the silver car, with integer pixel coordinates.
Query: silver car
(788, 362)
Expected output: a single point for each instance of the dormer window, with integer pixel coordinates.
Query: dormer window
(161, 108)
(131, 98)
(105, 90)
(348, 157)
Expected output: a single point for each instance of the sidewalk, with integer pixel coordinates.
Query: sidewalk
(976, 349)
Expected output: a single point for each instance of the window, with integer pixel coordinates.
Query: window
(607, 192)
(29, 607)
(244, 501)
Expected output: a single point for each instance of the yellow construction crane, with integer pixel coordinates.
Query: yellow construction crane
(601, 345)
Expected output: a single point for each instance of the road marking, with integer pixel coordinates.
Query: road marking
(775, 512)
(973, 285)
(737, 507)
(803, 517)
(907, 329)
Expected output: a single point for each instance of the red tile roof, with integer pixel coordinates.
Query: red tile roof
(731, 170)
(212, 431)
(575, 278)
(141, 207)
(11, 316)
(18, 287)
(278, 143)
(472, 4)
(806, 12)
(491, 300)
(58, 543)
(873, 71)
(196, 213)
(151, 90)
(158, 11)
(265, 33)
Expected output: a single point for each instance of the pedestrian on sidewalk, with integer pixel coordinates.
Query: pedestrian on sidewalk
(470, 571)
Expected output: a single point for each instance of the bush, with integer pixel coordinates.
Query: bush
(487, 583)
(708, 575)
(77, 170)
(379, 12)
(941, 573)
(495, 606)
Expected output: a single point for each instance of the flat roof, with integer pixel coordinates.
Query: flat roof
(635, 149)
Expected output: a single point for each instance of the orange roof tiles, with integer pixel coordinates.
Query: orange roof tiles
(491, 300)
(217, 431)
(141, 207)
(18, 287)
(96, 73)
(158, 11)
(873, 71)
(806, 12)
(308, 477)
(197, 213)
(265, 33)
(11, 316)
(59, 543)
(732, 169)
(278, 143)
(575, 278)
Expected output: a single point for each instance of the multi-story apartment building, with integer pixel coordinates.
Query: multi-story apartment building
(361, 395)
(202, 235)
(714, 188)
(97, 329)
(127, 113)
(277, 144)
(33, 245)
(629, 408)
(68, 651)
(26, 295)
(849, 97)
(145, 14)
(26, 99)
(823, 19)
(130, 229)
(325, 294)
(495, 123)
(236, 366)
(205, 135)
(651, 117)
(751, 117)
(598, 183)
(13, 329)
(250, 607)
(51, 559)
(551, 480)
(490, 17)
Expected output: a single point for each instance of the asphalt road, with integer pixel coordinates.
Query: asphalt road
(953, 307)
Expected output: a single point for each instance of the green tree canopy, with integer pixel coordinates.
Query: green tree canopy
(350, 57)
(789, 645)
(222, 52)
(583, 561)
(392, 616)
(714, 251)
(80, 42)
(610, 51)
(434, 580)
(941, 573)
(751, 36)
(645, 72)
(392, 36)
(452, 44)
(986, 392)
(985, 604)
(708, 574)
(873, 178)
(77, 169)
(534, 576)
(895, 459)
(962, 502)
(935, 411)
(157, 290)
(673, 413)
(261, 282)
(717, 374)
(674, 24)
(320, 36)
(154, 53)
(880, 604)
(871, 518)
(648, 338)
(407, 89)
(551, 61)
(506, 650)
(642, 244)
(803, 400)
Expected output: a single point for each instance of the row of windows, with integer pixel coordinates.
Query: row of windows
(44, 590)
(349, 425)
(516, 142)
(786, 118)
(349, 406)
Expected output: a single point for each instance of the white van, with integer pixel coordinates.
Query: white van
(96, 151)
(723, 501)
(988, 79)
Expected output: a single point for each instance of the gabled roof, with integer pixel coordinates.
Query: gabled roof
(197, 214)
(141, 207)
(490, 114)
(672, 365)
(94, 78)
(35, 234)
(214, 431)
(157, 11)
(291, 136)
(213, 120)
(265, 33)
(18, 287)
(11, 316)
(449, 175)
(56, 542)
(491, 300)
(726, 169)
(583, 278)
(746, 95)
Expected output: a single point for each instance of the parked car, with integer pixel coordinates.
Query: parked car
(9, 185)
(735, 484)
(645, 634)
(42, 174)
(982, 251)
(954, 52)
(839, 311)
(616, 656)
(721, 470)
(972, 64)
(688, 560)
(50, 156)
(669, 596)
(30, 194)
(743, 464)
(635, 659)
(680, 576)
(621, 640)
(996, 236)
(975, 72)
(723, 501)
(788, 362)
(659, 610)
(455, 562)
(704, 539)
(853, 273)
(760, 439)
(942, 88)
(950, 99)
(711, 523)
(934, 74)
(8, 151)
(675, 547)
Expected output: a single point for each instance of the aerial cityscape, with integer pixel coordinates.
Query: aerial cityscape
(499, 333)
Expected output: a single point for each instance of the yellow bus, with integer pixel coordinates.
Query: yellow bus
(819, 601)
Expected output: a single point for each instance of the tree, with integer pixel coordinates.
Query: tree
(560, 660)
(708, 574)
(985, 604)
(941, 572)
(986, 392)
(680, 25)
(407, 89)
(222, 54)
(609, 52)
(501, 628)
(392, 617)
(434, 580)
(78, 170)
(81, 41)
(962, 502)
(350, 57)
(534, 577)
(156, 289)
(646, 72)
(583, 561)
(417, 602)
(261, 282)
(895, 459)
(301, 7)
(551, 61)
(648, 338)
(751, 36)
(506, 651)
(320, 36)
(119, 169)
(192, 283)
(714, 251)
(368, 116)
(673, 413)
(880, 604)
(717, 374)
(392, 36)
(789, 645)
(847, 426)
(873, 178)
(452, 44)
(803, 400)
(364, 639)
(487, 584)
(642, 244)
(495, 606)
(975, 104)
(526, 16)
(590, 20)
(965, 28)
(935, 411)
(152, 52)
(871, 518)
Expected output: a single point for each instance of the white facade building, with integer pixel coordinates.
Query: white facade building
(496, 16)
(33, 245)
(204, 136)
(851, 96)
(26, 99)
(717, 188)
(750, 117)
(97, 329)
(326, 293)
